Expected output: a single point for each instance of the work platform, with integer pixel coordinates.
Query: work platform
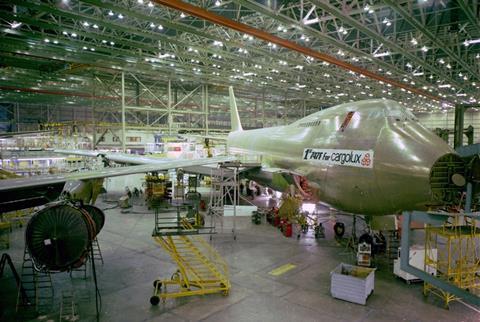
(200, 269)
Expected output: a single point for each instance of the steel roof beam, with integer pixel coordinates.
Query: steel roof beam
(220, 20)
(388, 43)
(440, 45)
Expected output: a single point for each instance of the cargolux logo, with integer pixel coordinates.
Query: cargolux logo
(352, 158)
(366, 160)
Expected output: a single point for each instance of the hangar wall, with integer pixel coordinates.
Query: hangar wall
(446, 121)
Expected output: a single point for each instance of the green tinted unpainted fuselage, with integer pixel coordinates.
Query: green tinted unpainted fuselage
(396, 176)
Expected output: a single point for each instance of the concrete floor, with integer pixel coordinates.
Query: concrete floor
(133, 260)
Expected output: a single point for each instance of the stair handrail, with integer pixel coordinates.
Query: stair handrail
(211, 251)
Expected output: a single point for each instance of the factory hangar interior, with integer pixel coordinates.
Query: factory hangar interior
(239, 160)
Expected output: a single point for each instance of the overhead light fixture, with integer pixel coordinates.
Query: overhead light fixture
(424, 48)
(368, 9)
(182, 15)
(418, 74)
(95, 26)
(414, 41)
(387, 53)
(150, 4)
(86, 24)
(110, 13)
(74, 35)
(120, 16)
(15, 25)
(471, 42)
(218, 3)
(160, 27)
(444, 86)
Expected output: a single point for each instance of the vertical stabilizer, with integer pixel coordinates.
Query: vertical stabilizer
(234, 118)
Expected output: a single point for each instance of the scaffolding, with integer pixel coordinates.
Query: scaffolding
(457, 259)
(224, 189)
(200, 269)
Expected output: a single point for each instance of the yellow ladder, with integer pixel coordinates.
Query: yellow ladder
(201, 270)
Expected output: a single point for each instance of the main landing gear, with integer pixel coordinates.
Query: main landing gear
(339, 229)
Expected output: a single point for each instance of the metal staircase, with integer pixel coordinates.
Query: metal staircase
(201, 270)
(393, 243)
(97, 255)
(36, 286)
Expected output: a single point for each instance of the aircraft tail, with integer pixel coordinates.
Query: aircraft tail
(234, 118)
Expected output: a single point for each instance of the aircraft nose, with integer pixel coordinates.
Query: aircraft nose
(415, 169)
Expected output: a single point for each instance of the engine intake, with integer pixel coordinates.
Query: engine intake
(58, 237)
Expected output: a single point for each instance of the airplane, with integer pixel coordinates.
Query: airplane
(369, 157)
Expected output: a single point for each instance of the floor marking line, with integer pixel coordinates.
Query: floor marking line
(282, 269)
(469, 306)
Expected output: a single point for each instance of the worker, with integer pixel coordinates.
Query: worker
(128, 192)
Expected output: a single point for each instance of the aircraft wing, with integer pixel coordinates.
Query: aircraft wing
(85, 153)
(119, 157)
(160, 164)
(24, 133)
(223, 138)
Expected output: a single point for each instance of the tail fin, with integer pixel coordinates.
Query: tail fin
(234, 118)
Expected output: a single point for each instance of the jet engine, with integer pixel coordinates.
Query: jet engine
(59, 236)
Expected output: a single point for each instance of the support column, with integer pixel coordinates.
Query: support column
(205, 106)
(94, 121)
(458, 127)
(123, 113)
(137, 93)
(169, 106)
(263, 108)
(16, 119)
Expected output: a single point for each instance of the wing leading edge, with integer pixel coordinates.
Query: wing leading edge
(21, 183)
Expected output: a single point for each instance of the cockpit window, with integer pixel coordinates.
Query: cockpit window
(399, 114)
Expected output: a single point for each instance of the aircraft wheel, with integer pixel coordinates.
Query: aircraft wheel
(154, 300)
(366, 238)
(339, 229)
